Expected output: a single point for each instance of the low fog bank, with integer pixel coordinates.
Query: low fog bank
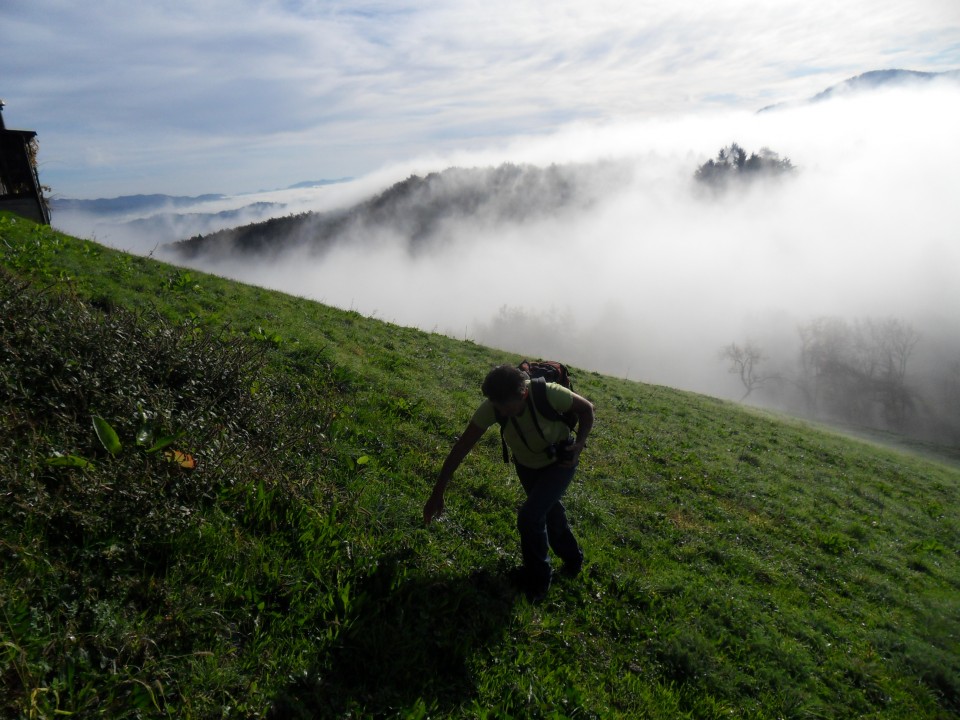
(657, 278)
(143, 224)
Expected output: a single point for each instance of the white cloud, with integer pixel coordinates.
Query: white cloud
(653, 281)
(234, 96)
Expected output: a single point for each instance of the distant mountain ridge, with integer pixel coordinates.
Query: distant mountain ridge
(318, 183)
(419, 210)
(872, 80)
(150, 224)
(131, 203)
(882, 78)
(157, 201)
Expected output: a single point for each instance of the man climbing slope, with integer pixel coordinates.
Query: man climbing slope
(545, 455)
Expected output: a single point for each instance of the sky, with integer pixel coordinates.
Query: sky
(655, 278)
(246, 98)
(236, 96)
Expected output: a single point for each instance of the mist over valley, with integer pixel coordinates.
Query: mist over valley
(838, 281)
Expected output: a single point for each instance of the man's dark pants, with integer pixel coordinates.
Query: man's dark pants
(542, 521)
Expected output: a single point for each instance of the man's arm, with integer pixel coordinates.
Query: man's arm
(583, 409)
(457, 453)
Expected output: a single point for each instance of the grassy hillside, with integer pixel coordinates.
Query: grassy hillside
(239, 533)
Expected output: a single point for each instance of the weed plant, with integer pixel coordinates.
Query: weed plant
(212, 504)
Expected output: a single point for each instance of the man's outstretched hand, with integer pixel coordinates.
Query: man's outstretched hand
(433, 507)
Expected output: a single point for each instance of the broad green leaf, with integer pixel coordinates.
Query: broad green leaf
(164, 442)
(363, 460)
(107, 435)
(69, 461)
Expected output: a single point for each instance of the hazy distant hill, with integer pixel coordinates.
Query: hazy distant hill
(883, 78)
(318, 183)
(160, 202)
(874, 80)
(147, 221)
(131, 203)
(417, 210)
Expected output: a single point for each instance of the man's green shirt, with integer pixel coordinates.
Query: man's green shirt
(554, 431)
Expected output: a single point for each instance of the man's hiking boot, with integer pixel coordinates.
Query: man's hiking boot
(517, 577)
(571, 568)
(535, 591)
(537, 588)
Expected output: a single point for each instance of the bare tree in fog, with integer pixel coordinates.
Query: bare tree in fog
(894, 342)
(952, 385)
(858, 372)
(530, 330)
(744, 362)
(950, 401)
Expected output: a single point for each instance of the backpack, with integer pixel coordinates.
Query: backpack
(549, 370)
(541, 372)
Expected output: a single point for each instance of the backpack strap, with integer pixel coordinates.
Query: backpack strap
(538, 389)
(536, 423)
(539, 405)
(516, 426)
(503, 442)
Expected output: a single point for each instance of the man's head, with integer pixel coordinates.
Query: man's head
(506, 387)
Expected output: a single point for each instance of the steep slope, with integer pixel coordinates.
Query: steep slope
(739, 564)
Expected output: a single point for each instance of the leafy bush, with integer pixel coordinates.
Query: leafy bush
(64, 364)
(121, 430)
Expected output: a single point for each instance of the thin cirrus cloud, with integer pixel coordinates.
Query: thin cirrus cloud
(236, 96)
(231, 98)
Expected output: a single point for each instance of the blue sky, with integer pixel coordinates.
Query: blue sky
(239, 95)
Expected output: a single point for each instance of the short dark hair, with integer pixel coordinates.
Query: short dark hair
(504, 383)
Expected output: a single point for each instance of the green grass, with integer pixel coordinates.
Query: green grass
(739, 564)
